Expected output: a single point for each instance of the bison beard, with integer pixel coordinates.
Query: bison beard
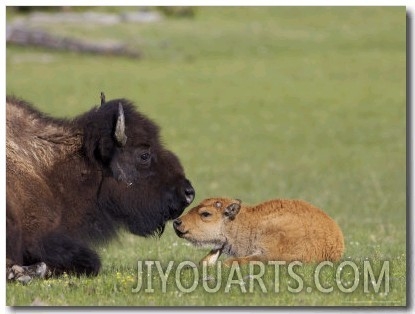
(72, 184)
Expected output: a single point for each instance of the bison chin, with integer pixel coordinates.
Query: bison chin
(144, 214)
(137, 229)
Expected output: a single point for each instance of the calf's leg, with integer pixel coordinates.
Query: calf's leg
(243, 260)
(212, 257)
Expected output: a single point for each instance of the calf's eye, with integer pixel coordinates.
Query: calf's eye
(205, 214)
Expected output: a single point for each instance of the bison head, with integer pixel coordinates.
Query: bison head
(143, 184)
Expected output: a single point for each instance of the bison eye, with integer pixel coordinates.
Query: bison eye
(145, 156)
(205, 214)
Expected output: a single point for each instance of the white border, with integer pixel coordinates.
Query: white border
(410, 9)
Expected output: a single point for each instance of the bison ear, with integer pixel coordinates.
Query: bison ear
(102, 98)
(232, 210)
(119, 133)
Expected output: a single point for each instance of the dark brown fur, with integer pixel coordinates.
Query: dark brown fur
(70, 185)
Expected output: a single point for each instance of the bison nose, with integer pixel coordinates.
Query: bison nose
(177, 222)
(189, 193)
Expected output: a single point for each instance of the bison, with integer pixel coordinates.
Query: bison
(282, 230)
(72, 184)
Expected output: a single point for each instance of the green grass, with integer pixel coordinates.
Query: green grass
(258, 103)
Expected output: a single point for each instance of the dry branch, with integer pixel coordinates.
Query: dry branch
(29, 37)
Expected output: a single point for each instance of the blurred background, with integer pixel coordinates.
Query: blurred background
(258, 102)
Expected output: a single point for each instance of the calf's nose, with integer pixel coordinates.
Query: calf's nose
(177, 222)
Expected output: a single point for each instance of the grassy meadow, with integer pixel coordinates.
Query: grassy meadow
(258, 103)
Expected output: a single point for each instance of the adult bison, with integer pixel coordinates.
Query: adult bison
(74, 183)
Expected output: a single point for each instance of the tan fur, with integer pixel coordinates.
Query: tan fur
(283, 230)
(41, 143)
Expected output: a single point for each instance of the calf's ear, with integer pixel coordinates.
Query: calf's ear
(232, 210)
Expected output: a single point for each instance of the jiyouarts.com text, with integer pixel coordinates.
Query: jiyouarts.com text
(267, 277)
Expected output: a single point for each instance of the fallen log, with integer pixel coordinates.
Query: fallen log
(22, 36)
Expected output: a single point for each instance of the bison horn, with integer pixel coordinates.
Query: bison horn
(102, 98)
(120, 127)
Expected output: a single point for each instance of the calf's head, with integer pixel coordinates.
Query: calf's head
(143, 184)
(204, 224)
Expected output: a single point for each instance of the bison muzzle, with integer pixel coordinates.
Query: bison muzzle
(73, 183)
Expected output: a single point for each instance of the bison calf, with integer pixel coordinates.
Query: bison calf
(284, 230)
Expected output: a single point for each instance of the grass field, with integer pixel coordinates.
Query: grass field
(258, 103)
